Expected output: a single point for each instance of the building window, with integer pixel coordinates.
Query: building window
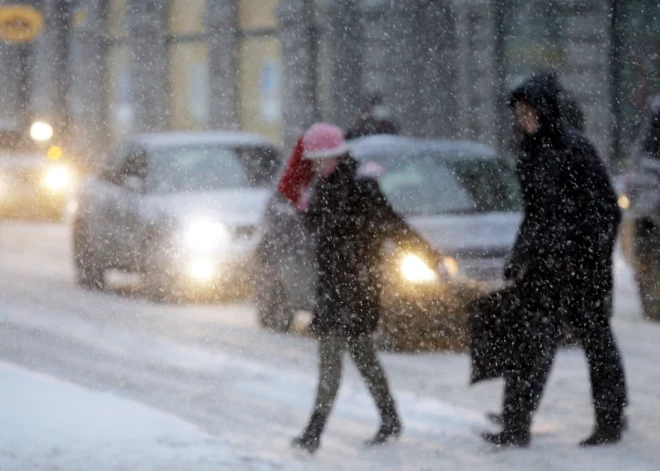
(189, 73)
(120, 106)
(189, 86)
(260, 86)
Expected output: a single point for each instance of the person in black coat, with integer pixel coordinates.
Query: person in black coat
(561, 265)
(375, 119)
(350, 219)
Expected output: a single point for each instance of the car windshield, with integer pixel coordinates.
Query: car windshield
(432, 184)
(207, 168)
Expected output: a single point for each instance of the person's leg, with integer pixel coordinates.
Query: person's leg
(523, 390)
(331, 348)
(608, 384)
(363, 353)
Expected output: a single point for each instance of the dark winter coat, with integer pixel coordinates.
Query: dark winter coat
(351, 218)
(561, 264)
(571, 215)
(368, 125)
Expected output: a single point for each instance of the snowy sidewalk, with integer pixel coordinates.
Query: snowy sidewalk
(50, 424)
(236, 395)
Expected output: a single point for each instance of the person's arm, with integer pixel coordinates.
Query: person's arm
(520, 254)
(393, 226)
(595, 206)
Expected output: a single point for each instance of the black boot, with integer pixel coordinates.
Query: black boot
(390, 428)
(310, 440)
(515, 431)
(508, 437)
(608, 430)
(604, 435)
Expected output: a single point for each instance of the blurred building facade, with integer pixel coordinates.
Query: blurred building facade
(111, 67)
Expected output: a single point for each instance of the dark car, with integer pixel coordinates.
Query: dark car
(182, 209)
(640, 199)
(461, 196)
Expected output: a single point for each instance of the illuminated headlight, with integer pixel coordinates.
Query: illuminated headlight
(41, 131)
(202, 269)
(450, 266)
(415, 270)
(624, 202)
(206, 236)
(57, 178)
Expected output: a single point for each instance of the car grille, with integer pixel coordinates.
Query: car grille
(482, 269)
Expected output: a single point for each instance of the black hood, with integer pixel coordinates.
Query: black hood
(542, 92)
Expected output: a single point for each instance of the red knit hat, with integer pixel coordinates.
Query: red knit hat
(324, 141)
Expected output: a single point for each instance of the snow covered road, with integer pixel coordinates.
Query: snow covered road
(226, 395)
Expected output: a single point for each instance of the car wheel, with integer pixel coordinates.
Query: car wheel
(158, 282)
(647, 270)
(275, 310)
(90, 273)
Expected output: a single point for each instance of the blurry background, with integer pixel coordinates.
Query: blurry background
(100, 69)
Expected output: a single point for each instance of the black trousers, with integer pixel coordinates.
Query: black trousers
(524, 387)
(363, 353)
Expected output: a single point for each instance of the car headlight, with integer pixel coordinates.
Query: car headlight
(415, 270)
(205, 235)
(623, 202)
(450, 267)
(202, 269)
(57, 178)
(41, 131)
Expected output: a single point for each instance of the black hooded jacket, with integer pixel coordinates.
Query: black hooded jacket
(351, 218)
(571, 215)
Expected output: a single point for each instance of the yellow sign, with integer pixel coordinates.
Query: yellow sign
(20, 23)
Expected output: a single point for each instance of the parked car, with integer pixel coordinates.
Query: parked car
(35, 177)
(460, 195)
(180, 208)
(640, 200)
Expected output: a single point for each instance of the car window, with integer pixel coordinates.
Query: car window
(427, 185)
(261, 163)
(134, 163)
(112, 163)
(124, 160)
(207, 168)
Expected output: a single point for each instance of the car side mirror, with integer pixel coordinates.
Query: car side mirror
(133, 183)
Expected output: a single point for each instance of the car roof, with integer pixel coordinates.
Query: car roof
(370, 146)
(181, 138)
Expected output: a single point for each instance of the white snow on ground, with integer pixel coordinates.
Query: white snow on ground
(50, 424)
(200, 387)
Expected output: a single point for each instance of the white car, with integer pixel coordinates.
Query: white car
(182, 209)
(461, 196)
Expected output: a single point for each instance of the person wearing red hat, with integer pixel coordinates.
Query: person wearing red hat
(350, 218)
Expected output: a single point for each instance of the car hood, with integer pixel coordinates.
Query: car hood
(473, 235)
(235, 207)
